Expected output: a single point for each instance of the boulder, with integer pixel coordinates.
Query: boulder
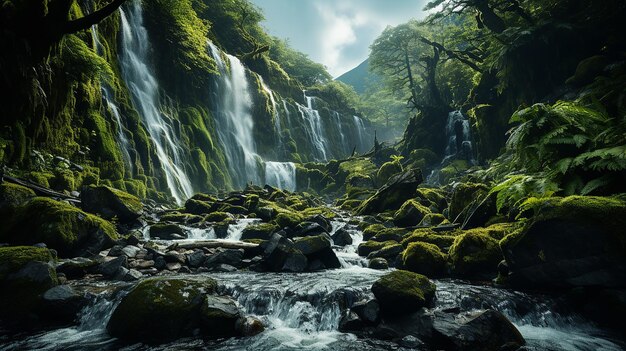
(575, 241)
(378, 263)
(166, 231)
(367, 247)
(393, 194)
(230, 257)
(475, 255)
(463, 195)
(61, 226)
(280, 255)
(342, 237)
(13, 195)
(249, 326)
(424, 258)
(368, 311)
(198, 207)
(160, 309)
(322, 221)
(410, 214)
(219, 316)
(402, 292)
(78, 267)
(113, 268)
(389, 253)
(110, 203)
(262, 231)
(308, 229)
(350, 322)
(62, 303)
(318, 248)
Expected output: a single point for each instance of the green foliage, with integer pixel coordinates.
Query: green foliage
(517, 188)
(297, 64)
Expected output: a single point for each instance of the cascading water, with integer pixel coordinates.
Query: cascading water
(234, 119)
(275, 112)
(281, 175)
(315, 131)
(144, 89)
(360, 132)
(344, 145)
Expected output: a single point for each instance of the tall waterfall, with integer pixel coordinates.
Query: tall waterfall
(234, 120)
(123, 141)
(360, 131)
(281, 175)
(345, 148)
(315, 131)
(144, 89)
(459, 138)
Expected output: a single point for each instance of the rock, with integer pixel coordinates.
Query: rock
(318, 248)
(218, 217)
(174, 257)
(411, 342)
(160, 263)
(249, 326)
(481, 330)
(368, 311)
(402, 292)
(132, 275)
(424, 258)
(110, 203)
(378, 263)
(410, 214)
(219, 316)
(62, 303)
(229, 257)
(308, 229)
(342, 237)
(160, 309)
(321, 221)
(111, 268)
(367, 247)
(223, 268)
(78, 267)
(63, 227)
(115, 251)
(13, 195)
(141, 264)
(198, 207)
(166, 231)
(575, 241)
(462, 196)
(475, 254)
(174, 266)
(481, 211)
(196, 259)
(393, 194)
(389, 252)
(130, 251)
(259, 231)
(281, 255)
(350, 322)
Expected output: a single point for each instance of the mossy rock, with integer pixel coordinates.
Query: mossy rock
(425, 235)
(350, 205)
(410, 214)
(475, 254)
(393, 194)
(166, 231)
(389, 252)
(288, 219)
(218, 217)
(436, 197)
(402, 292)
(433, 219)
(13, 195)
(63, 227)
(424, 258)
(372, 229)
(198, 207)
(259, 231)
(160, 309)
(12, 258)
(569, 242)
(367, 247)
(388, 170)
(110, 203)
(177, 217)
(463, 195)
(386, 234)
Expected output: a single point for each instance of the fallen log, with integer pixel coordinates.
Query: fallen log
(212, 244)
(38, 189)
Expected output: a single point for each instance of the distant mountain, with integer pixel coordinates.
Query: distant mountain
(359, 77)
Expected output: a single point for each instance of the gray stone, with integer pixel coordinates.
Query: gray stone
(112, 267)
(196, 259)
(130, 251)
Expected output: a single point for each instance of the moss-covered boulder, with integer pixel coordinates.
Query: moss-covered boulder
(410, 214)
(166, 231)
(426, 235)
(388, 170)
(262, 231)
(110, 203)
(436, 197)
(26, 272)
(161, 309)
(433, 219)
(393, 194)
(63, 227)
(318, 248)
(198, 207)
(570, 242)
(218, 217)
(463, 195)
(13, 195)
(475, 254)
(402, 292)
(367, 247)
(424, 258)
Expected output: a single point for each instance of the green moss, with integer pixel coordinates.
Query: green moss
(433, 219)
(410, 214)
(13, 258)
(198, 207)
(387, 170)
(425, 235)
(402, 292)
(367, 247)
(463, 195)
(218, 217)
(372, 230)
(177, 217)
(132, 202)
(259, 231)
(386, 234)
(435, 196)
(475, 254)
(62, 227)
(285, 219)
(136, 188)
(12, 195)
(350, 205)
(424, 258)
(41, 178)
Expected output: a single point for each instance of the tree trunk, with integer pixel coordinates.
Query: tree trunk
(490, 19)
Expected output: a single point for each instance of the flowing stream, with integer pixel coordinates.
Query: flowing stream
(303, 310)
(144, 88)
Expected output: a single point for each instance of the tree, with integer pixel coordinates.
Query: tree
(297, 64)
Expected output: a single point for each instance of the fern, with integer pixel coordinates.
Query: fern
(517, 188)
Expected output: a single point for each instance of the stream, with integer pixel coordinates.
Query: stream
(303, 311)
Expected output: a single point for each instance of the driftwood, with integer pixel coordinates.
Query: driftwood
(212, 244)
(40, 190)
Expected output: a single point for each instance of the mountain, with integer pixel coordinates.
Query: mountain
(359, 77)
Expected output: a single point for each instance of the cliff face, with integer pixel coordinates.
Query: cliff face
(142, 102)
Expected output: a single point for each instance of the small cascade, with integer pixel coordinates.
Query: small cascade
(275, 112)
(459, 138)
(234, 119)
(107, 95)
(345, 148)
(360, 132)
(287, 114)
(348, 255)
(315, 131)
(236, 229)
(144, 89)
(281, 175)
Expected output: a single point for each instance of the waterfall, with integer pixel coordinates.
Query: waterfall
(345, 148)
(234, 120)
(315, 132)
(459, 138)
(275, 112)
(115, 111)
(281, 175)
(144, 89)
(360, 131)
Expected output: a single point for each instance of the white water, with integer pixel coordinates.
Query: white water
(234, 120)
(275, 112)
(134, 61)
(235, 230)
(360, 130)
(281, 175)
(315, 132)
(345, 148)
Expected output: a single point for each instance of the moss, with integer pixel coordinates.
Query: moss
(428, 156)
(13, 258)
(259, 231)
(132, 202)
(285, 219)
(368, 247)
(372, 229)
(435, 196)
(198, 207)
(177, 217)
(350, 205)
(433, 219)
(218, 217)
(424, 258)
(475, 254)
(160, 309)
(410, 214)
(135, 187)
(386, 234)
(402, 292)
(41, 178)
(62, 227)
(359, 166)
(429, 236)
(463, 195)
(387, 170)
(12, 195)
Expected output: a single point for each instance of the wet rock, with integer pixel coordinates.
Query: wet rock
(196, 259)
(475, 254)
(350, 322)
(230, 257)
(62, 303)
(378, 263)
(115, 251)
(166, 231)
(141, 264)
(111, 268)
(410, 214)
(110, 203)
(322, 222)
(259, 231)
(132, 275)
(412, 342)
(402, 292)
(160, 309)
(308, 229)
(368, 311)
(174, 266)
(160, 263)
(318, 248)
(174, 257)
(249, 326)
(223, 268)
(78, 267)
(281, 255)
(393, 194)
(424, 258)
(575, 241)
(130, 251)
(342, 237)
(219, 316)
(198, 207)
(388, 252)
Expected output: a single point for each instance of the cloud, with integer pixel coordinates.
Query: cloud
(336, 33)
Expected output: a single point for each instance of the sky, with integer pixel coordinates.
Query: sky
(336, 33)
